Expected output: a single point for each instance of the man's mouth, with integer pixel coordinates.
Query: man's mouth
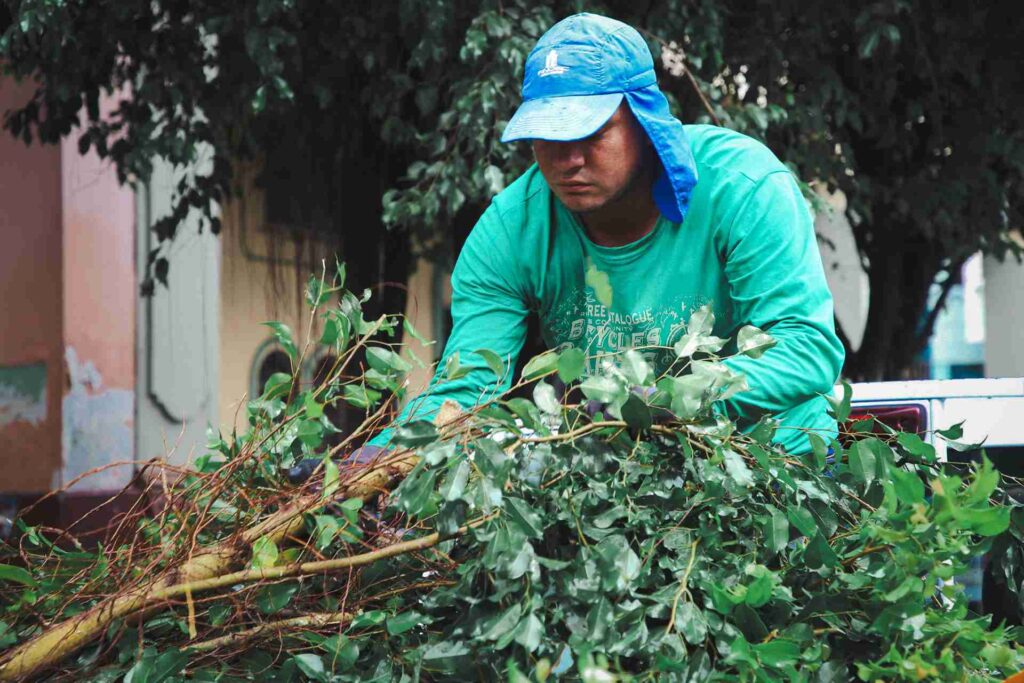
(574, 187)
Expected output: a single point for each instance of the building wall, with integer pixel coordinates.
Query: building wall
(100, 287)
(262, 280)
(177, 343)
(31, 288)
(846, 277)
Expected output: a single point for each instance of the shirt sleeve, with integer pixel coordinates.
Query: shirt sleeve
(777, 283)
(489, 311)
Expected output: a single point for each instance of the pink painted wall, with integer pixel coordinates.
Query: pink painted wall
(99, 265)
(100, 290)
(31, 289)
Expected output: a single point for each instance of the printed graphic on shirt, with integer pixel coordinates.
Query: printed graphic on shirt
(582, 321)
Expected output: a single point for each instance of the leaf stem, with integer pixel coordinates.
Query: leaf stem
(682, 585)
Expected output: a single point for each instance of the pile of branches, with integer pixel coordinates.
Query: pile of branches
(529, 540)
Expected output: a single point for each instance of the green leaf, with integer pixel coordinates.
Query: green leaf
(326, 529)
(952, 433)
(314, 410)
(908, 486)
(719, 379)
(862, 462)
(603, 389)
(776, 530)
(985, 482)
(17, 574)
(737, 469)
(841, 407)
(277, 386)
(916, 446)
(702, 321)
(818, 553)
(802, 519)
(493, 361)
(336, 331)
(219, 614)
(819, 449)
(359, 396)
(332, 478)
(157, 668)
(990, 521)
(386, 361)
(416, 434)
(636, 368)
(275, 597)
(414, 333)
(779, 652)
(759, 591)
(571, 363)
(525, 519)
(690, 622)
(455, 483)
(310, 433)
(525, 411)
(312, 665)
(690, 344)
(752, 341)
(529, 631)
(445, 649)
(167, 665)
(503, 624)
(689, 394)
(342, 652)
(369, 619)
(264, 553)
(405, 621)
(636, 413)
(351, 507)
(285, 338)
(453, 370)
(544, 397)
(413, 494)
(541, 364)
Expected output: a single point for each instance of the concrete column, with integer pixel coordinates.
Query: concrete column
(1004, 322)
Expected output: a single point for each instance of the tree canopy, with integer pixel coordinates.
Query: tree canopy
(386, 118)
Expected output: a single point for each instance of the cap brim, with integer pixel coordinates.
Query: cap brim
(562, 118)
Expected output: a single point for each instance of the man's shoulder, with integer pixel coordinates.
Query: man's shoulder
(729, 155)
(526, 196)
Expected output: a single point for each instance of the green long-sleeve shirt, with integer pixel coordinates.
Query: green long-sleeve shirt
(746, 247)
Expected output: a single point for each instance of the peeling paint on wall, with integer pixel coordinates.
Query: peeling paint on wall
(23, 394)
(98, 429)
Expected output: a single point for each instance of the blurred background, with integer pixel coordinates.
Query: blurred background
(171, 173)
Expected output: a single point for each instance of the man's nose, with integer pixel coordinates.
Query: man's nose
(568, 156)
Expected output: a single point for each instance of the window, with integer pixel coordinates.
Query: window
(270, 358)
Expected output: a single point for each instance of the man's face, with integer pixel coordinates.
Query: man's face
(589, 174)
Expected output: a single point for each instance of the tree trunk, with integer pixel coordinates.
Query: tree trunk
(901, 272)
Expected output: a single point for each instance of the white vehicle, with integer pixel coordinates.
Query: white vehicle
(991, 410)
(992, 414)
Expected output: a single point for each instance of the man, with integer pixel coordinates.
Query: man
(628, 223)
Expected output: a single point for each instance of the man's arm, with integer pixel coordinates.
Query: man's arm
(777, 283)
(489, 309)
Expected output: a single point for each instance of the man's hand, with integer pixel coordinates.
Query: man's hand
(303, 469)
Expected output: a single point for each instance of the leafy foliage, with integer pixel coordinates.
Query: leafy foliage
(530, 540)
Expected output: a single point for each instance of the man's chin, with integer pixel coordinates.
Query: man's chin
(581, 203)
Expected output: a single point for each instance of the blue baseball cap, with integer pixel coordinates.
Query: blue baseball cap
(578, 74)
